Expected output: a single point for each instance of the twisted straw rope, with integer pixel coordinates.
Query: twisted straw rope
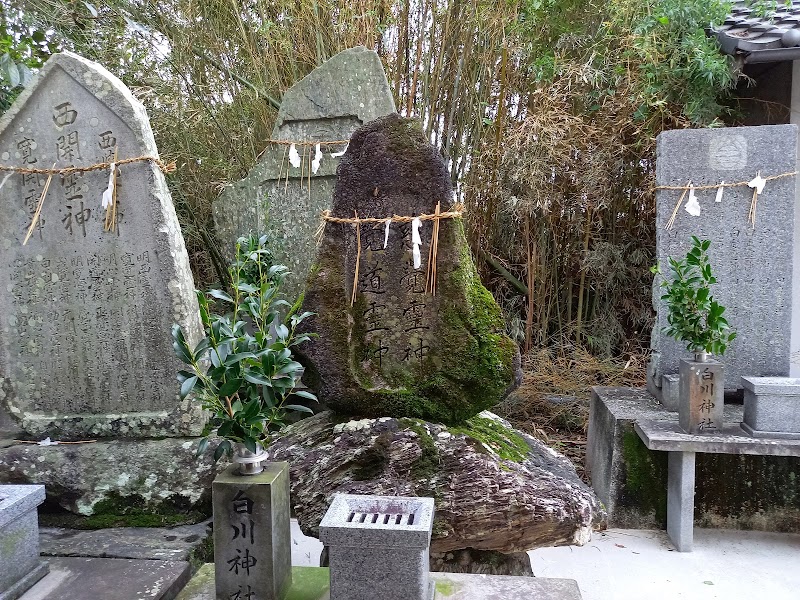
(721, 185)
(751, 216)
(453, 214)
(166, 168)
(307, 142)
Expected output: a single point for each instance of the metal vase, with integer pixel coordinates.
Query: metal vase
(250, 463)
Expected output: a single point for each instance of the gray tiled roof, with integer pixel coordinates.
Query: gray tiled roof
(743, 31)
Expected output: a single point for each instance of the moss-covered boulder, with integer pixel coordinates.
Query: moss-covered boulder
(395, 348)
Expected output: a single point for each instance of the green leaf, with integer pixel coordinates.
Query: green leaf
(187, 386)
(224, 447)
(298, 408)
(180, 346)
(201, 447)
(230, 387)
(258, 379)
(220, 295)
(304, 394)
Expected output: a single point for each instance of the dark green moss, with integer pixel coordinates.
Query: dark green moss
(504, 442)
(373, 460)
(427, 464)
(645, 477)
(202, 553)
(128, 511)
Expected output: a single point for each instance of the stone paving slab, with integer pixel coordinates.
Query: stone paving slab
(110, 579)
(154, 543)
(312, 583)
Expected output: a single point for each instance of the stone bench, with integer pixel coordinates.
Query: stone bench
(667, 436)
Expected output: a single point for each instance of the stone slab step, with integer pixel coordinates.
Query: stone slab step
(110, 579)
(312, 583)
(151, 543)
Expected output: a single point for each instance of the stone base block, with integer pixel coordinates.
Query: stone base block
(772, 406)
(732, 491)
(24, 584)
(778, 435)
(78, 477)
(20, 565)
(313, 583)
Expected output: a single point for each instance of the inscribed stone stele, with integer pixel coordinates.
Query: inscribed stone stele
(85, 314)
(756, 267)
(400, 350)
(284, 201)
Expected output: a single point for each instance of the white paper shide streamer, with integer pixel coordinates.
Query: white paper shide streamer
(758, 184)
(294, 157)
(720, 190)
(416, 242)
(386, 233)
(692, 205)
(2, 183)
(108, 194)
(317, 160)
(338, 154)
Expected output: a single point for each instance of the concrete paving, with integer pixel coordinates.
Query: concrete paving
(630, 564)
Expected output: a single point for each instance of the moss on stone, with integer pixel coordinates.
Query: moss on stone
(504, 442)
(447, 588)
(426, 465)
(127, 511)
(374, 459)
(202, 553)
(645, 474)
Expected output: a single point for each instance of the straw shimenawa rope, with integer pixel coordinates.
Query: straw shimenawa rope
(430, 285)
(751, 216)
(110, 222)
(165, 167)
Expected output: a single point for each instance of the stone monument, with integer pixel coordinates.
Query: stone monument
(415, 369)
(402, 350)
(756, 265)
(86, 312)
(285, 201)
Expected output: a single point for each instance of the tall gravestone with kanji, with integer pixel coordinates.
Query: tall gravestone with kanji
(754, 249)
(87, 303)
(388, 344)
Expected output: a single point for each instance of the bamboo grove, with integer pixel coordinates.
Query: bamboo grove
(547, 111)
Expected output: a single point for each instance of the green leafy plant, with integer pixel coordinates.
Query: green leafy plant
(242, 370)
(693, 315)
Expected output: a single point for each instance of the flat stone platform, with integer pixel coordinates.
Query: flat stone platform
(743, 482)
(312, 583)
(110, 578)
(668, 436)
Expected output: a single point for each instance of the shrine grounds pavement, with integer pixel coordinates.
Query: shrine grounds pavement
(619, 564)
(634, 564)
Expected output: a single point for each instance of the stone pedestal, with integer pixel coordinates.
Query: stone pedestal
(378, 543)
(252, 539)
(772, 406)
(20, 565)
(702, 390)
